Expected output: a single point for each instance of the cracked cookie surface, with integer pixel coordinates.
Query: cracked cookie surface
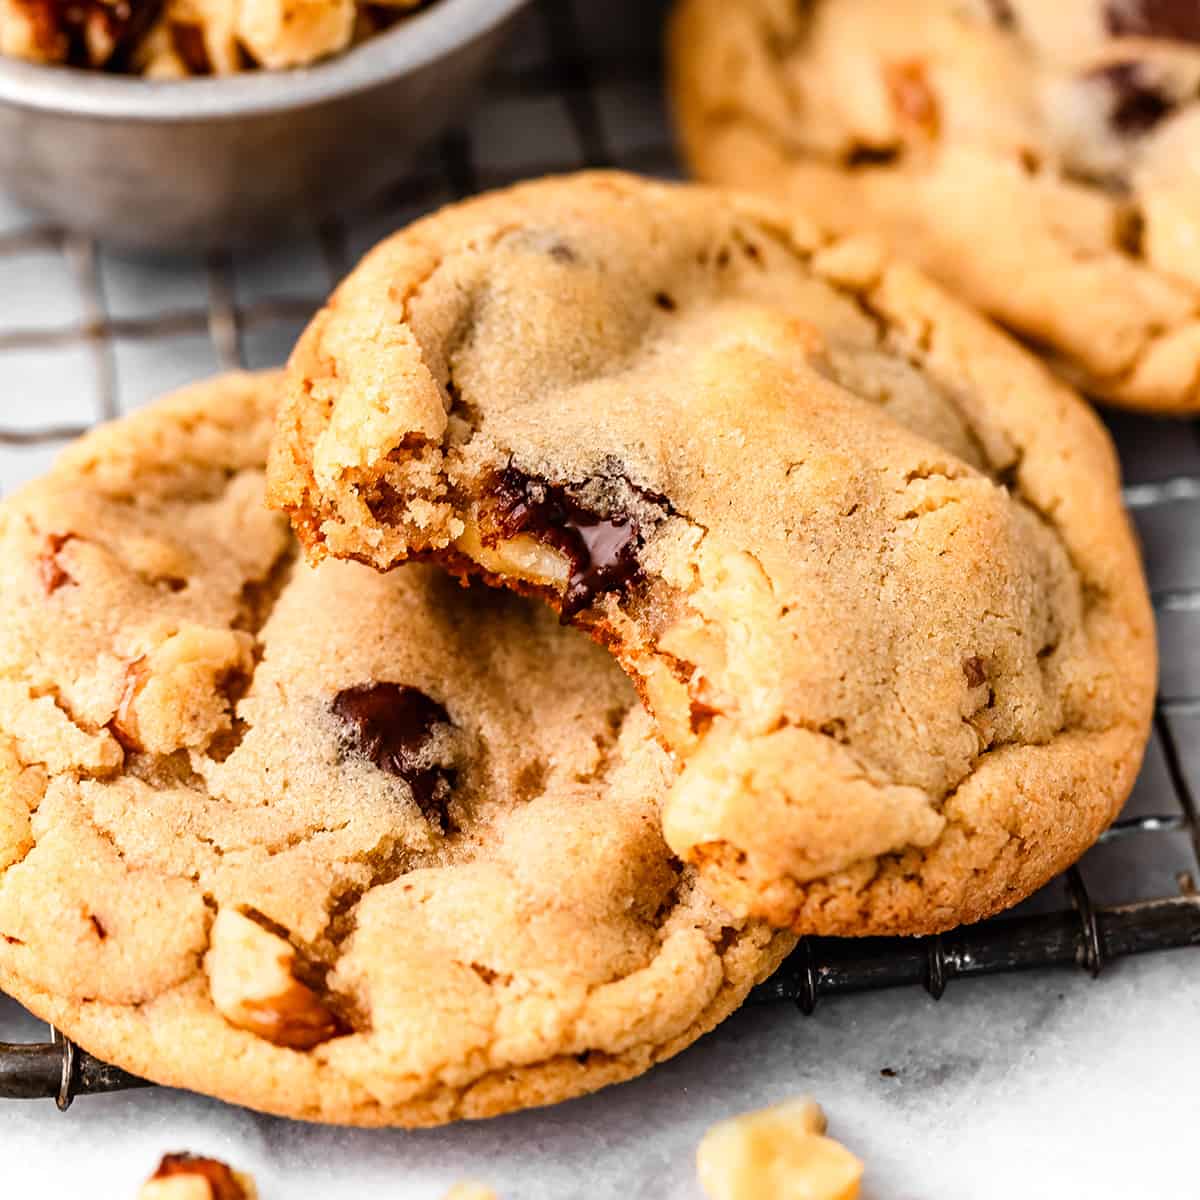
(863, 556)
(1037, 158)
(324, 842)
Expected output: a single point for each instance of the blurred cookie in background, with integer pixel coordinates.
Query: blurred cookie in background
(1041, 159)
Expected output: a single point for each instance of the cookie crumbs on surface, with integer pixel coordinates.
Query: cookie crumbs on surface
(192, 1177)
(777, 1153)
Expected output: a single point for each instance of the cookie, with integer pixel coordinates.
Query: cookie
(1037, 158)
(863, 556)
(331, 844)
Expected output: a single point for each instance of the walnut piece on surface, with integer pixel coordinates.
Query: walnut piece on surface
(251, 975)
(191, 1177)
(777, 1153)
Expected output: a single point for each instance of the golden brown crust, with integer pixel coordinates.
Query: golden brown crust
(139, 1042)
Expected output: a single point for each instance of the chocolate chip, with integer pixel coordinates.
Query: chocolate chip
(870, 156)
(1137, 104)
(1178, 19)
(221, 1180)
(975, 670)
(392, 725)
(665, 301)
(601, 547)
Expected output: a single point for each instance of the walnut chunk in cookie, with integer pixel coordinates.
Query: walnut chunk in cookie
(193, 1177)
(777, 1153)
(178, 695)
(251, 976)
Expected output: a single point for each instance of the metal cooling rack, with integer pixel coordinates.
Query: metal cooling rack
(581, 88)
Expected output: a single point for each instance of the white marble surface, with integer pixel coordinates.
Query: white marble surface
(1040, 1085)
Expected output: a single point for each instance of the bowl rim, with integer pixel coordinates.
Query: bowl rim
(417, 41)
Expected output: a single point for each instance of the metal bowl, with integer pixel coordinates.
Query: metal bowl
(190, 163)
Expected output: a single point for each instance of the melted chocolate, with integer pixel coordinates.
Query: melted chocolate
(1179, 19)
(602, 550)
(975, 671)
(1137, 104)
(391, 724)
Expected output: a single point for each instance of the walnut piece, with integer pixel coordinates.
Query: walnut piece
(778, 1153)
(175, 695)
(470, 1191)
(522, 557)
(251, 976)
(190, 1177)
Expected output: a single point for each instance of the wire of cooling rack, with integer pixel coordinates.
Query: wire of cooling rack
(1078, 933)
(1082, 936)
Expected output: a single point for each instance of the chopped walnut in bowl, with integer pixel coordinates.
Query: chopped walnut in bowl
(174, 125)
(174, 39)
